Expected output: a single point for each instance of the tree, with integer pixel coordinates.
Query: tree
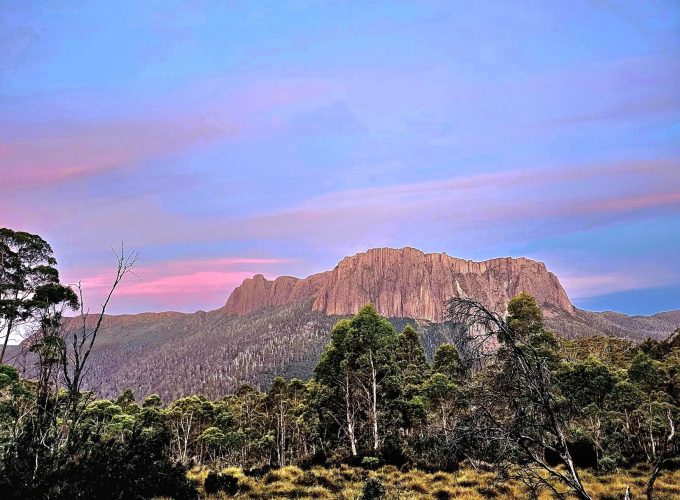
(523, 412)
(53, 436)
(214, 441)
(152, 401)
(411, 357)
(358, 369)
(665, 454)
(586, 384)
(447, 362)
(126, 399)
(26, 263)
(188, 417)
(74, 358)
(644, 371)
(249, 438)
(285, 405)
(443, 396)
(336, 396)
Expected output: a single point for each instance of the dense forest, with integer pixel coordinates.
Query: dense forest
(507, 397)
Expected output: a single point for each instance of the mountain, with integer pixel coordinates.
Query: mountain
(406, 283)
(279, 327)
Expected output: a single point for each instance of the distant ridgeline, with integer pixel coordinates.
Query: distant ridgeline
(279, 327)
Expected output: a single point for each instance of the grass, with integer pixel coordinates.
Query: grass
(345, 482)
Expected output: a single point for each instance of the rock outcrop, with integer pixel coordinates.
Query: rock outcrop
(406, 283)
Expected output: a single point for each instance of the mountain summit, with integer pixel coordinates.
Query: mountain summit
(406, 283)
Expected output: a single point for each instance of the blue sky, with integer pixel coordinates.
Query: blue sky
(222, 139)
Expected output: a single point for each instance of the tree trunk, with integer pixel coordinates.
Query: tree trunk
(4, 344)
(662, 458)
(374, 403)
(569, 462)
(350, 421)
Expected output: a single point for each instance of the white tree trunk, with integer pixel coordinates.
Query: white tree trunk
(374, 403)
(350, 419)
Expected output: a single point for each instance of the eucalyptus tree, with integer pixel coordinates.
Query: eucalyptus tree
(411, 357)
(447, 362)
(26, 264)
(360, 373)
(285, 405)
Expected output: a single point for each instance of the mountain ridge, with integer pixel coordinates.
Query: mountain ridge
(406, 282)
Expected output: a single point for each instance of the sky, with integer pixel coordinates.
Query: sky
(224, 139)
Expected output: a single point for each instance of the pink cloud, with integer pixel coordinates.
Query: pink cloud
(58, 150)
(182, 284)
(572, 197)
(5, 150)
(73, 151)
(634, 202)
(593, 285)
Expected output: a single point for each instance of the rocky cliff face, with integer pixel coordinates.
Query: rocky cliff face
(406, 283)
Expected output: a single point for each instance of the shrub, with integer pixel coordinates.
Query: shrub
(607, 464)
(308, 479)
(439, 477)
(442, 495)
(373, 489)
(215, 482)
(257, 472)
(138, 467)
(488, 491)
(370, 462)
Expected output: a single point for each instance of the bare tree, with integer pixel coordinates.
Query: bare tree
(523, 384)
(663, 457)
(74, 359)
(58, 365)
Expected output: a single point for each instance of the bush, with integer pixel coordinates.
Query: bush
(257, 472)
(370, 462)
(607, 464)
(442, 495)
(373, 489)
(138, 467)
(215, 482)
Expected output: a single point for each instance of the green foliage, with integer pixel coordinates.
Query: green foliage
(586, 382)
(152, 401)
(644, 371)
(411, 357)
(373, 489)
(29, 282)
(360, 380)
(8, 376)
(447, 362)
(370, 462)
(525, 317)
(126, 398)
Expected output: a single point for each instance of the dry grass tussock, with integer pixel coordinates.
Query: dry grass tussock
(347, 482)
